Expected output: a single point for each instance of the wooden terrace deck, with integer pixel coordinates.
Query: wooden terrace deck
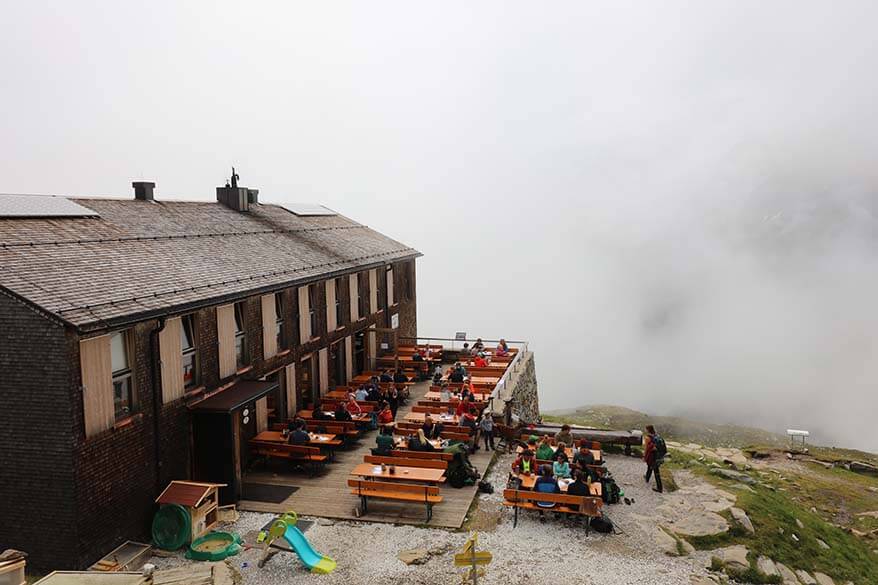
(328, 496)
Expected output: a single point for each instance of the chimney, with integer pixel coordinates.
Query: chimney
(235, 197)
(143, 190)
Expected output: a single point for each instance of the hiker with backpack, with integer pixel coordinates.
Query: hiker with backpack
(654, 451)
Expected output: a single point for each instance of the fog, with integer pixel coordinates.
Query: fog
(674, 203)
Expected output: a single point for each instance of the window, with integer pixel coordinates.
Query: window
(312, 308)
(240, 337)
(391, 300)
(190, 353)
(279, 319)
(339, 306)
(123, 381)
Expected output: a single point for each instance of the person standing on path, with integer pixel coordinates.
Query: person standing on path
(486, 425)
(654, 452)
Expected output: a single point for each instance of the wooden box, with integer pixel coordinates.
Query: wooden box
(129, 556)
(12, 572)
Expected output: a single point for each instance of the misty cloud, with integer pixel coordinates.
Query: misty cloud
(674, 203)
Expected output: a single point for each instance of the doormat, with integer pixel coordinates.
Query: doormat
(264, 492)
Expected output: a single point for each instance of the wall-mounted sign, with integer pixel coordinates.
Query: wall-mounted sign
(385, 346)
(460, 336)
(394, 321)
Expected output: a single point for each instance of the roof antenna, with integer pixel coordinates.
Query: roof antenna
(234, 179)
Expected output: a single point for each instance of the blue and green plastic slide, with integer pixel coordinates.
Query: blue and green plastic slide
(285, 527)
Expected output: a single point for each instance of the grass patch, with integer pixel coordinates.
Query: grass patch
(751, 575)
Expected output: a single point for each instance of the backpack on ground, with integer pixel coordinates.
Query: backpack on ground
(610, 492)
(661, 449)
(602, 524)
(485, 487)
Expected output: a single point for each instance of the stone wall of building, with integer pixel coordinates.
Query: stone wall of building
(521, 388)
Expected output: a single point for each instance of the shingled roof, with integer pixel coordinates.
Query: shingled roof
(143, 258)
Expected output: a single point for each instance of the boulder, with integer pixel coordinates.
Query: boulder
(665, 542)
(741, 518)
(862, 467)
(701, 580)
(805, 577)
(734, 556)
(688, 549)
(767, 567)
(799, 524)
(869, 514)
(733, 475)
(415, 556)
(717, 506)
(703, 524)
(822, 544)
(823, 579)
(786, 574)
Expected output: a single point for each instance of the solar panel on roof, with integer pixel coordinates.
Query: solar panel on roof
(22, 206)
(306, 209)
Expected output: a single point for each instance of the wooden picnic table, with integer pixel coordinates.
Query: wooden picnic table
(309, 415)
(401, 441)
(569, 451)
(413, 474)
(437, 396)
(420, 417)
(528, 482)
(317, 439)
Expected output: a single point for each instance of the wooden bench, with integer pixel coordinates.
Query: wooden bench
(402, 492)
(438, 455)
(583, 506)
(292, 453)
(406, 462)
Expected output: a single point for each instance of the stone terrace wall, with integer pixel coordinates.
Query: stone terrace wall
(522, 388)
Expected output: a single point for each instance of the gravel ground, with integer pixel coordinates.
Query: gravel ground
(551, 552)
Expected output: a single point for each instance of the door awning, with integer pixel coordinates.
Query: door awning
(235, 396)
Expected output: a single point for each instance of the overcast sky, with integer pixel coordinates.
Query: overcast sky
(674, 202)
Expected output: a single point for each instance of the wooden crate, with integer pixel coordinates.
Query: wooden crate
(129, 556)
(12, 572)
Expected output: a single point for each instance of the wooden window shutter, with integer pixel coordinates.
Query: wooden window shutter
(353, 284)
(371, 347)
(171, 358)
(304, 316)
(225, 330)
(373, 291)
(349, 358)
(262, 414)
(323, 362)
(390, 300)
(331, 321)
(269, 319)
(97, 384)
(290, 387)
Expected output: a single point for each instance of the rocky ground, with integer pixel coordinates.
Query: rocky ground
(651, 544)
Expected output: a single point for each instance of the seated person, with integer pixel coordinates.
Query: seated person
(546, 484)
(469, 418)
(579, 487)
(525, 463)
(320, 414)
(374, 394)
(457, 374)
(466, 351)
(417, 357)
(545, 452)
(385, 415)
(462, 406)
(561, 451)
(560, 467)
(583, 457)
(432, 430)
(362, 393)
(445, 393)
(299, 436)
(385, 442)
(502, 349)
(564, 435)
(352, 406)
(480, 361)
(341, 413)
(386, 377)
(478, 345)
(420, 442)
(437, 374)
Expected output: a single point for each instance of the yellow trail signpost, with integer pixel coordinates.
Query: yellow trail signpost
(472, 558)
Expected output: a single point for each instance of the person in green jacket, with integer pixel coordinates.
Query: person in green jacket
(545, 452)
(384, 441)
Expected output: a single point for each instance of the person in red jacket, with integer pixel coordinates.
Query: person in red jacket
(526, 463)
(385, 416)
(650, 457)
(352, 407)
